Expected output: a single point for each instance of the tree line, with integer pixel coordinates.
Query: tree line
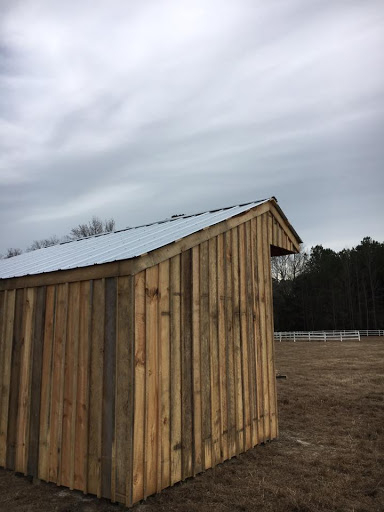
(324, 289)
(95, 226)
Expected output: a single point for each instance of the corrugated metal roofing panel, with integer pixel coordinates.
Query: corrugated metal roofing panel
(116, 246)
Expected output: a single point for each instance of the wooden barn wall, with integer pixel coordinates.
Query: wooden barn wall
(204, 358)
(123, 386)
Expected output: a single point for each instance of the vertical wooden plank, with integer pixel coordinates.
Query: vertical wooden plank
(57, 394)
(176, 473)
(196, 365)
(3, 321)
(214, 352)
(164, 333)
(70, 383)
(26, 359)
(257, 331)
(251, 320)
(80, 461)
(8, 363)
(37, 364)
(152, 379)
(205, 356)
(46, 383)
(186, 368)
(108, 413)
(139, 405)
(237, 344)
(96, 388)
(269, 323)
(229, 347)
(244, 338)
(123, 433)
(263, 327)
(131, 390)
(17, 342)
(222, 347)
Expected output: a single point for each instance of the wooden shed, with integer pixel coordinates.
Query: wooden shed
(132, 360)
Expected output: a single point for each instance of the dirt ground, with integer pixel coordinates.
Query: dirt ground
(330, 454)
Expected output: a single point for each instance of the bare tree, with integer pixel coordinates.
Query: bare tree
(289, 266)
(45, 242)
(94, 227)
(11, 252)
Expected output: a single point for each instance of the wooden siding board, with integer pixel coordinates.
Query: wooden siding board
(196, 366)
(164, 341)
(123, 419)
(70, 381)
(46, 383)
(205, 356)
(222, 347)
(257, 330)
(231, 407)
(186, 368)
(83, 384)
(152, 380)
(251, 320)
(263, 326)
(36, 392)
(244, 338)
(57, 394)
(139, 389)
(108, 400)
(214, 353)
(237, 344)
(11, 437)
(267, 234)
(175, 292)
(6, 374)
(96, 388)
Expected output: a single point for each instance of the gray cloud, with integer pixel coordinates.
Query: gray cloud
(139, 110)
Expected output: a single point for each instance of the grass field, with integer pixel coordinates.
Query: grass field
(330, 454)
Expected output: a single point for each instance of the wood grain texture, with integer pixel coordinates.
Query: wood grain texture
(175, 292)
(6, 365)
(186, 367)
(96, 388)
(17, 344)
(46, 383)
(214, 353)
(139, 394)
(83, 388)
(222, 346)
(164, 341)
(205, 356)
(152, 380)
(196, 364)
(108, 401)
(36, 391)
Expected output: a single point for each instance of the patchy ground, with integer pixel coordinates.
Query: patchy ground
(330, 455)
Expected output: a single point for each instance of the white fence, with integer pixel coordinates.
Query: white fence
(326, 335)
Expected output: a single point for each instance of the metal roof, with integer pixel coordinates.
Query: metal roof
(118, 245)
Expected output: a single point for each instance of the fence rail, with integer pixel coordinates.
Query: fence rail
(340, 335)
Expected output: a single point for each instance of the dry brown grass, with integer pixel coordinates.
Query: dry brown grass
(330, 455)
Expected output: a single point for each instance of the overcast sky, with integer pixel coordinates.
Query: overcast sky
(138, 110)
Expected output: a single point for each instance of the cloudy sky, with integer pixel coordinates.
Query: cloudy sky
(138, 110)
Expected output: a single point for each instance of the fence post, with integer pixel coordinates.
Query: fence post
(358, 332)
